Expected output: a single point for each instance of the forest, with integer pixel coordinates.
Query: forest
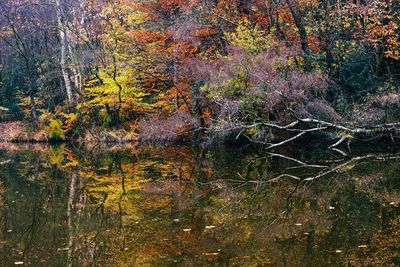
(200, 133)
(166, 71)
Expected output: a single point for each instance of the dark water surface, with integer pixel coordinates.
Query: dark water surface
(182, 206)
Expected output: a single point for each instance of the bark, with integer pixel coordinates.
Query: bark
(63, 59)
(75, 71)
(326, 36)
(303, 35)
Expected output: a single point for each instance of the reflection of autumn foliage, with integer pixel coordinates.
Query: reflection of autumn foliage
(382, 250)
(183, 206)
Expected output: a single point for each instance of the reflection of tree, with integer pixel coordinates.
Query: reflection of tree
(71, 230)
(186, 207)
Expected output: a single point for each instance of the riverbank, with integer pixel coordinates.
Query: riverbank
(268, 137)
(19, 132)
(278, 136)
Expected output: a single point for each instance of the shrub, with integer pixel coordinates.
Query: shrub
(54, 130)
(157, 129)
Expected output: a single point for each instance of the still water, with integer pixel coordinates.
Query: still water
(185, 206)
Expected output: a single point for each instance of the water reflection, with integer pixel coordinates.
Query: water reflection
(182, 206)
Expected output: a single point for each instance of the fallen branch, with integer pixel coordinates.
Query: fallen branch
(365, 130)
(342, 139)
(303, 132)
(307, 125)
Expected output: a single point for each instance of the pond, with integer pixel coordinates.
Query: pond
(187, 206)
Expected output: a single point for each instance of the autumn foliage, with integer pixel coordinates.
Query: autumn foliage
(211, 64)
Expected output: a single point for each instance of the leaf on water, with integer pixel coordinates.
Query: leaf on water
(210, 226)
(211, 253)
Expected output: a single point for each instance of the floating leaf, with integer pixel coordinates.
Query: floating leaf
(211, 253)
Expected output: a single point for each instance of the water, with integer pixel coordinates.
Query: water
(182, 206)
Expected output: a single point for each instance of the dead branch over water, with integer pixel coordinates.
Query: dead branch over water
(340, 133)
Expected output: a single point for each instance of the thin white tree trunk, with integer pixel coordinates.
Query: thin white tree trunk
(82, 7)
(63, 44)
(75, 71)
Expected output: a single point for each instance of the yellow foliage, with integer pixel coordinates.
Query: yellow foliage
(251, 38)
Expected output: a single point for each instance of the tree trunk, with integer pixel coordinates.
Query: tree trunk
(175, 63)
(303, 35)
(63, 44)
(115, 75)
(83, 15)
(33, 110)
(75, 71)
(244, 7)
(32, 103)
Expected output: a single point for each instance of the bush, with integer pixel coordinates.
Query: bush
(54, 131)
(157, 129)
